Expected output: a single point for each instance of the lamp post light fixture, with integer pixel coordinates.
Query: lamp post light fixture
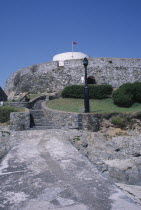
(86, 88)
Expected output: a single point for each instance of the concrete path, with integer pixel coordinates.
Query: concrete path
(44, 171)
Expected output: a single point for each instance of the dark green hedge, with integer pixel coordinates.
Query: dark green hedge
(100, 91)
(5, 113)
(95, 91)
(124, 95)
(74, 91)
(122, 99)
(137, 94)
(127, 94)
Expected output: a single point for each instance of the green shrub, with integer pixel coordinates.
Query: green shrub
(123, 99)
(127, 88)
(74, 91)
(137, 94)
(5, 113)
(118, 121)
(100, 91)
(124, 95)
(95, 91)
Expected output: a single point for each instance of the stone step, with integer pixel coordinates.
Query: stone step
(43, 124)
(37, 113)
(42, 127)
(38, 119)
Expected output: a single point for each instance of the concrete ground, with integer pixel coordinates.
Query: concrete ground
(44, 171)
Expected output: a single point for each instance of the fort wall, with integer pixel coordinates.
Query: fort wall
(50, 77)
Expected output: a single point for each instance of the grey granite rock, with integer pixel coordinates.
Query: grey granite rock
(44, 171)
(118, 156)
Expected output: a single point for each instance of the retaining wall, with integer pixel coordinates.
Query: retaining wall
(70, 120)
(19, 121)
(29, 104)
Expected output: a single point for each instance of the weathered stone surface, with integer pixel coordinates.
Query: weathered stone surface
(118, 156)
(44, 171)
(19, 121)
(4, 141)
(132, 191)
(49, 77)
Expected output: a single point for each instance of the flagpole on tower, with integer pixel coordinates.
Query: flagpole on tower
(72, 49)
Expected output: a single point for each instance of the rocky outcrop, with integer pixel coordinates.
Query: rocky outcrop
(115, 152)
(117, 156)
(44, 171)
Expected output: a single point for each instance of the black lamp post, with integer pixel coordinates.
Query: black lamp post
(86, 88)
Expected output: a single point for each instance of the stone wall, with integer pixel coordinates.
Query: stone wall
(34, 103)
(70, 120)
(19, 121)
(50, 77)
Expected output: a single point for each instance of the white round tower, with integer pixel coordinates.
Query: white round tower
(68, 56)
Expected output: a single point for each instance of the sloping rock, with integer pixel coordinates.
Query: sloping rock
(44, 171)
(133, 191)
(118, 156)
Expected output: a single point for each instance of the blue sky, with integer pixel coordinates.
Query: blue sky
(33, 31)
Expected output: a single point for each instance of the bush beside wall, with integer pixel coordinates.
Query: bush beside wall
(100, 91)
(127, 94)
(5, 113)
(95, 91)
(137, 95)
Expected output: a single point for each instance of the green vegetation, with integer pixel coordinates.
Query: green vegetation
(118, 121)
(96, 106)
(127, 94)
(76, 138)
(5, 112)
(137, 95)
(100, 91)
(74, 91)
(95, 91)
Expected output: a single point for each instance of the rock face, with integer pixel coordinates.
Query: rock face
(50, 77)
(44, 171)
(118, 156)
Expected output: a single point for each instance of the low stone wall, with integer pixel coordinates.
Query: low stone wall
(27, 105)
(70, 120)
(18, 104)
(19, 121)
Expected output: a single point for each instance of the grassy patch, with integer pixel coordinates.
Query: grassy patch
(118, 121)
(96, 106)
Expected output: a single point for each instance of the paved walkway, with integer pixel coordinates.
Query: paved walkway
(44, 171)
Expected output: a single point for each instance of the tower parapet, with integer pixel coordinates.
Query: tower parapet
(68, 56)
